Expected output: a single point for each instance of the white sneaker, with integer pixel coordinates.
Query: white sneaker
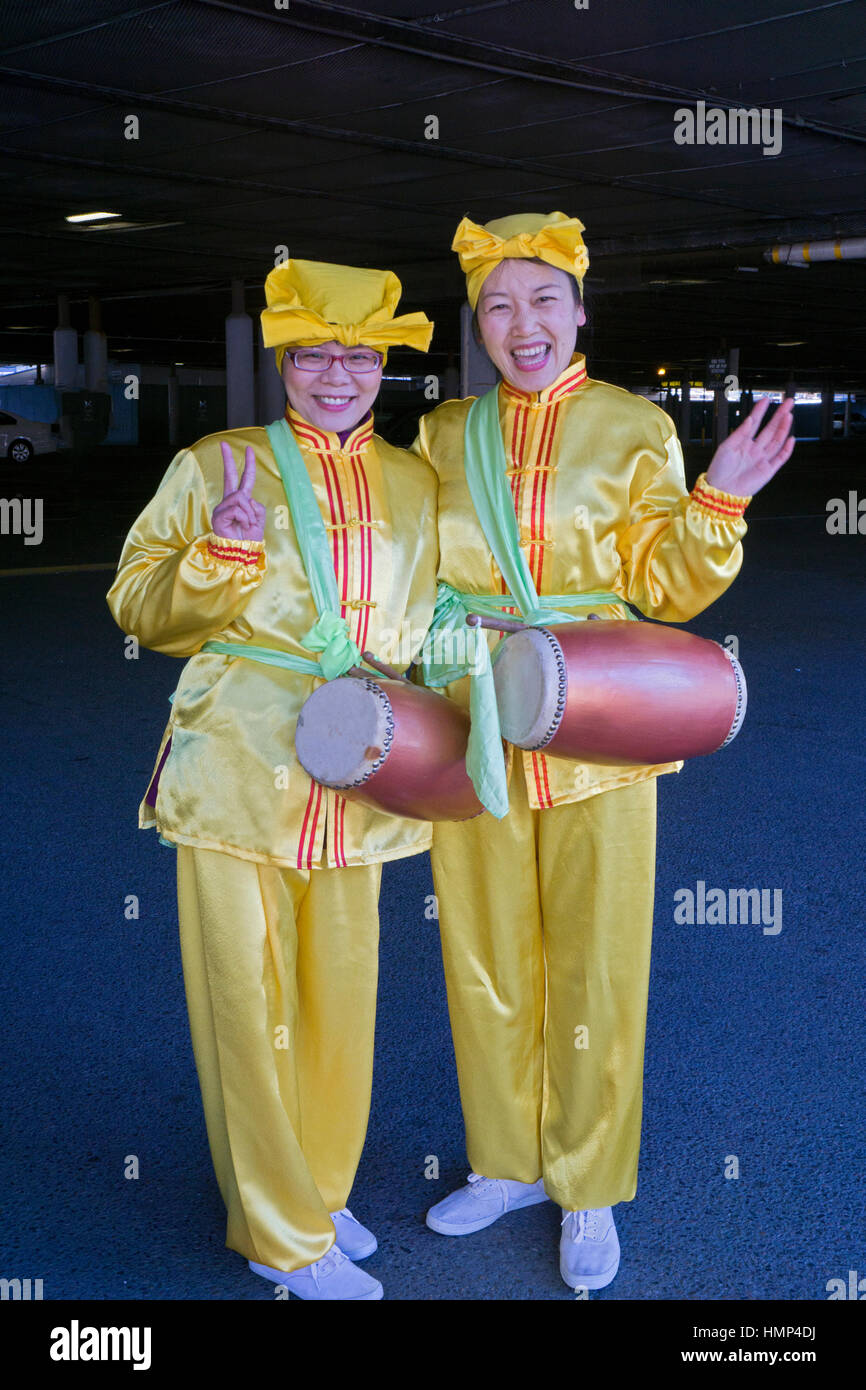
(481, 1202)
(588, 1248)
(332, 1277)
(353, 1239)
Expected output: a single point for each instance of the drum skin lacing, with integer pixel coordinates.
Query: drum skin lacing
(741, 699)
(562, 691)
(389, 733)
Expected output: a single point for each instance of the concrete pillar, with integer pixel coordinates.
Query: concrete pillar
(449, 388)
(65, 349)
(684, 424)
(721, 409)
(846, 424)
(477, 372)
(826, 412)
(271, 391)
(240, 376)
(95, 351)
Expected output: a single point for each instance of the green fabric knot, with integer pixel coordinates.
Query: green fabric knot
(330, 636)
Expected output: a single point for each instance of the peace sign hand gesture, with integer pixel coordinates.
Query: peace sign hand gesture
(238, 516)
(747, 460)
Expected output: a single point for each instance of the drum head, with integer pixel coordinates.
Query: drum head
(531, 685)
(344, 732)
(742, 699)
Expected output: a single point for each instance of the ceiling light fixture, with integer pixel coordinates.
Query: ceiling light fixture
(91, 216)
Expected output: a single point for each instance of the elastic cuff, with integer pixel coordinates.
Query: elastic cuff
(725, 505)
(229, 551)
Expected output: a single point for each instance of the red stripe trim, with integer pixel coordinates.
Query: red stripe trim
(513, 453)
(340, 837)
(365, 511)
(539, 790)
(363, 536)
(542, 759)
(713, 505)
(550, 393)
(319, 442)
(357, 444)
(340, 535)
(518, 456)
(518, 439)
(368, 537)
(245, 557)
(557, 392)
(534, 533)
(335, 535)
(304, 826)
(545, 478)
(314, 825)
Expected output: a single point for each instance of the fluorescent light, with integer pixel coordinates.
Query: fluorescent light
(91, 216)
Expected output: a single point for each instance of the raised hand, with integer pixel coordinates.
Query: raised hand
(747, 460)
(238, 516)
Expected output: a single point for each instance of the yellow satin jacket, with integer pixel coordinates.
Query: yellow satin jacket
(598, 484)
(231, 780)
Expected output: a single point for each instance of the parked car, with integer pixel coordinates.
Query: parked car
(20, 439)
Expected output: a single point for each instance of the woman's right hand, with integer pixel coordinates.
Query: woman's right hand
(238, 516)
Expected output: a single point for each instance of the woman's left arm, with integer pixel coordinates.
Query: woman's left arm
(680, 550)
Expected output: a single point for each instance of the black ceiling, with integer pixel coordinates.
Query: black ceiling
(305, 126)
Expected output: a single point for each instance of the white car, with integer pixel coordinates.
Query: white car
(20, 439)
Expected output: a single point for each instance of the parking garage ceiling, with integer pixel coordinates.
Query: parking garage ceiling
(260, 124)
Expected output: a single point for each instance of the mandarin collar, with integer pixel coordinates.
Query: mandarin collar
(569, 380)
(328, 441)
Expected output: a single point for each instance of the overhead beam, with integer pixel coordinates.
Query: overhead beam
(429, 149)
(320, 17)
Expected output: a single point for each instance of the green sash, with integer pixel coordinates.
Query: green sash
(485, 464)
(330, 633)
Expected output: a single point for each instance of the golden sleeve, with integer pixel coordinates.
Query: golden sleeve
(680, 550)
(177, 583)
(422, 590)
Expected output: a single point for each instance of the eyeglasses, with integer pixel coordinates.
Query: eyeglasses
(357, 362)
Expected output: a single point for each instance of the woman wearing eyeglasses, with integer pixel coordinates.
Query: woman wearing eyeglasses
(273, 558)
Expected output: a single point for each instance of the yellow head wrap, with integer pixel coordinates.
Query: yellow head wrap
(552, 237)
(312, 302)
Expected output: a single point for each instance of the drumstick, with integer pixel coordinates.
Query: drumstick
(381, 666)
(500, 624)
(495, 624)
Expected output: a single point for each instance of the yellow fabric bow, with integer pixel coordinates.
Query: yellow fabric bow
(552, 237)
(313, 302)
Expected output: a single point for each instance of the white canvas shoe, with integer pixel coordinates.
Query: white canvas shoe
(588, 1248)
(332, 1277)
(481, 1202)
(353, 1239)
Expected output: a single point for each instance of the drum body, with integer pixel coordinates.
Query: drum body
(390, 745)
(618, 692)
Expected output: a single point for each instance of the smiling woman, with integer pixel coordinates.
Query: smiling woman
(331, 389)
(528, 314)
(278, 878)
(546, 902)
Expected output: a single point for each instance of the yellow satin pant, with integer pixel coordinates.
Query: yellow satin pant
(546, 925)
(280, 968)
